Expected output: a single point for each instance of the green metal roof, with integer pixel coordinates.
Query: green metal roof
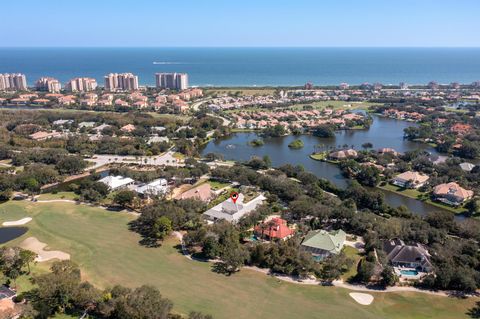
(329, 241)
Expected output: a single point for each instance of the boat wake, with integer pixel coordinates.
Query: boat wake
(166, 63)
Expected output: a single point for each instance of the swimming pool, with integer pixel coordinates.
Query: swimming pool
(409, 272)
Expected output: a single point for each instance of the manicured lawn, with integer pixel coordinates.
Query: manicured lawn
(424, 197)
(319, 156)
(353, 254)
(108, 253)
(217, 185)
(412, 193)
(323, 157)
(59, 195)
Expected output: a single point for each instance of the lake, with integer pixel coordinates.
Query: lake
(384, 132)
(10, 233)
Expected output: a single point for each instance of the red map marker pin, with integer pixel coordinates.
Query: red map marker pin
(234, 197)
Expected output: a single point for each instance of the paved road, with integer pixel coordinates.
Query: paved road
(166, 159)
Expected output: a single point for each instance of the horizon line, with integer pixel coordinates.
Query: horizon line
(238, 47)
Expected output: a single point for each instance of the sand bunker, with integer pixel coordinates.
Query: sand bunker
(22, 221)
(363, 299)
(37, 247)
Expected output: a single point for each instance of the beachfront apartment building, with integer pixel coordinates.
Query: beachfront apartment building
(173, 81)
(81, 85)
(48, 84)
(121, 82)
(13, 82)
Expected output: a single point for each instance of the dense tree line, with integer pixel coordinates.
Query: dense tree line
(61, 291)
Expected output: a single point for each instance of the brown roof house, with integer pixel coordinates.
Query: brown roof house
(202, 192)
(128, 128)
(42, 135)
(407, 256)
(343, 154)
(452, 194)
(410, 179)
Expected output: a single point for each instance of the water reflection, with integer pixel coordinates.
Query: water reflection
(384, 132)
(9, 233)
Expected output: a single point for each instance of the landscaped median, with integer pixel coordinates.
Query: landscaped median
(418, 195)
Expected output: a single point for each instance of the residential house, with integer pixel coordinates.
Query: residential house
(452, 193)
(128, 128)
(155, 188)
(232, 212)
(101, 127)
(387, 150)
(467, 167)
(321, 243)
(116, 182)
(410, 179)
(86, 124)
(7, 306)
(460, 128)
(276, 228)
(343, 154)
(42, 135)
(202, 192)
(62, 122)
(407, 256)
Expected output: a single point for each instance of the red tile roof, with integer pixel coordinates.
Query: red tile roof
(276, 228)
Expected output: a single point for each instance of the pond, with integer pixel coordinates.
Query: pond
(9, 233)
(384, 132)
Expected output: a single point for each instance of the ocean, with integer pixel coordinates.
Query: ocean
(251, 66)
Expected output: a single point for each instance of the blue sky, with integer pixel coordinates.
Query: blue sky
(446, 23)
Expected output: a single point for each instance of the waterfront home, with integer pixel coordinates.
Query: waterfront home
(321, 243)
(233, 211)
(276, 228)
(407, 256)
(157, 187)
(387, 150)
(410, 179)
(120, 102)
(41, 101)
(343, 154)
(116, 182)
(66, 100)
(19, 101)
(104, 102)
(202, 192)
(452, 194)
